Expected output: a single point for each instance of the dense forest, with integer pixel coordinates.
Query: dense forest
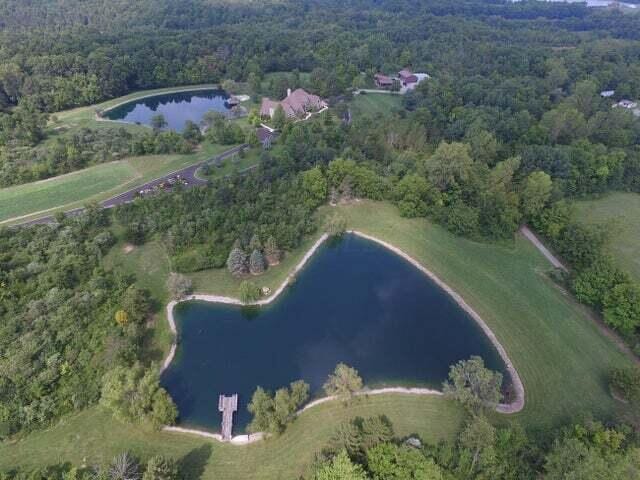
(509, 130)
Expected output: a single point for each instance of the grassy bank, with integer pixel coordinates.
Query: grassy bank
(93, 184)
(560, 354)
(621, 211)
(93, 436)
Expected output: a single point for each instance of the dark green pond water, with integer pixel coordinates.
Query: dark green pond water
(177, 108)
(354, 302)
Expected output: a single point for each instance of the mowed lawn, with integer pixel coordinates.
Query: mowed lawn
(57, 191)
(375, 104)
(95, 183)
(622, 212)
(562, 357)
(93, 436)
(560, 354)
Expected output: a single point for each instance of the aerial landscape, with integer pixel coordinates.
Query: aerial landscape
(319, 240)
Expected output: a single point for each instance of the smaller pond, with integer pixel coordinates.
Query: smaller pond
(176, 108)
(354, 302)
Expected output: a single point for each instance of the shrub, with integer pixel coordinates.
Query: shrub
(249, 292)
(135, 395)
(627, 382)
(178, 285)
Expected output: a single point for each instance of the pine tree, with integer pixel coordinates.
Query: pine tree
(256, 263)
(237, 262)
(254, 243)
(271, 251)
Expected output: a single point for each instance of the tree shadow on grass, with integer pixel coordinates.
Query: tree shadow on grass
(193, 464)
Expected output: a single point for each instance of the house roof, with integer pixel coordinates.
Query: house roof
(381, 78)
(299, 101)
(268, 106)
(405, 73)
(627, 104)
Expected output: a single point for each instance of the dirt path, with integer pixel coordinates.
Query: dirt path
(529, 235)
(590, 313)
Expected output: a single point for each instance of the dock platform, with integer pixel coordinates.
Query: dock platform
(227, 405)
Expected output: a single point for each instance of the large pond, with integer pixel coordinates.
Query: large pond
(176, 108)
(354, 302)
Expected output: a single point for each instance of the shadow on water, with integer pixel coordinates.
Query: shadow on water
(192, 465)
(250, 312)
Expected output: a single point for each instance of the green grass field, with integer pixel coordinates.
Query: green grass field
(41, 196)
(559, 352)
(92, 437)
(622, 212)
(375, 104)
(96, 183)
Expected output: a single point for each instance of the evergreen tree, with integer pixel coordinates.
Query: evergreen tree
(256, 263)
(237, 262)
(255, 243)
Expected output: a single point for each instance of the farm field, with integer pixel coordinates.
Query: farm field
(559, 352)
(95, 183)
(622, 212)
(375, 104)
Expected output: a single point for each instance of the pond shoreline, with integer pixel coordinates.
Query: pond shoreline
(167, 92)
(514, 407)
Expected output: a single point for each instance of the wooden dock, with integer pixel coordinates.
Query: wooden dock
(227, 405)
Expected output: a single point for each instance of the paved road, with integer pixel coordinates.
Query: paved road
(187, 174)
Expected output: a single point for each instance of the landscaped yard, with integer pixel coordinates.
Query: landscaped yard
(375, 104)
(560, 354)
(622, 212)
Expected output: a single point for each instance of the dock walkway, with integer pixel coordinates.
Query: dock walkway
(227, 405)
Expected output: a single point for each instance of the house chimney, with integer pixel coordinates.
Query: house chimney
(288, 92)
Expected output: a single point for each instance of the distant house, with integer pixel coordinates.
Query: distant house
(407, 77)
(407, 80)
(629, 104)
(382, 81)
(607, 93)
(296, 104)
